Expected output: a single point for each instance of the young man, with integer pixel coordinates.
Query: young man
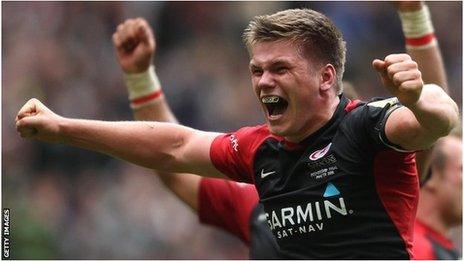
(316, 163)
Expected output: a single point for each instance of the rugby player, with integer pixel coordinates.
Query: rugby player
(335, 178)
(440, 202)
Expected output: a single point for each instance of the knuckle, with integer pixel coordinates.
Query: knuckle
(406, 56)
(397, 78)
(390, 71)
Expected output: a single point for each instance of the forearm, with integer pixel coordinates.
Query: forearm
(184, 186)
(149, 144)
(157, 111)
(436, 113)
(431, 65)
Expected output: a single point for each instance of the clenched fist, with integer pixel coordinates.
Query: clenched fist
(408, 6)
(34, 120)
(134, 44)
(401, 76)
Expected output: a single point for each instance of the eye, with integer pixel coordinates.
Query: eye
(281, 70)
(256, 72)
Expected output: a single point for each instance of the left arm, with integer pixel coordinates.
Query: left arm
(429, 113)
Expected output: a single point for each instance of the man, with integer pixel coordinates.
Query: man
(440, 203)
(314, 164)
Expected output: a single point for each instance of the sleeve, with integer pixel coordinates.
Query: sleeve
(369, 121)
(227, 205)
(233, 153)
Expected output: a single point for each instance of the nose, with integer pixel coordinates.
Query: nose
(266, 81)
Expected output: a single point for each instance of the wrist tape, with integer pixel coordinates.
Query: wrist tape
(143, 88)
(418, 28)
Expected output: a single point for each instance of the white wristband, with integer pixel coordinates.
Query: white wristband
(417, 23)
(143, 88)
(142, 84)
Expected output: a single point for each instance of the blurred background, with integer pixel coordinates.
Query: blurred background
(69, 203)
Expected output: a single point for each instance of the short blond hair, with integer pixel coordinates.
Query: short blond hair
(313, 31)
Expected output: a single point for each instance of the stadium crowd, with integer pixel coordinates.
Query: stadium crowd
(84, 205)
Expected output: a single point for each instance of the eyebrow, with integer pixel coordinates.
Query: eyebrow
(273, 63)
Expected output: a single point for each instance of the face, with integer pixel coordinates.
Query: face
(287, 86)
(450, 190)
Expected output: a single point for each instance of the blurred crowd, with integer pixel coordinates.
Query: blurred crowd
(69, 203)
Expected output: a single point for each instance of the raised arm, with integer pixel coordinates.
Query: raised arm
(135, 46)
(421, 44)
(428, 112)
(156, 145)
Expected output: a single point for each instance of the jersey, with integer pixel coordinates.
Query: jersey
(344, 192)
(234, 207)
(429, 244)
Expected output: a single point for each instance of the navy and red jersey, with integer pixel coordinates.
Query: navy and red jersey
(430, 244)
(234, 207)
(344, 192)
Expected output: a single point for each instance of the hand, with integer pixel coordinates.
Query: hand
(134, 44)
(408, 6)
(34, 120)
(401, 76)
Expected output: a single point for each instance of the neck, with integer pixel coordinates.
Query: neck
(428, 213)
(328, 107)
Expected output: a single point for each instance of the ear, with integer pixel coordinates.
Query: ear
(433, 184)
(328, 77)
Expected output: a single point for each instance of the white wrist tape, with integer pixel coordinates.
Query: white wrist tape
(143, 88)
(417, 23)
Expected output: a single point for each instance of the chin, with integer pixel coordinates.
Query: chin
(277, 130)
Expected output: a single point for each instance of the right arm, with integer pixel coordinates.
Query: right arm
(157, 145)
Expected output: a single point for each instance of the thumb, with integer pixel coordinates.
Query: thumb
(381, 67)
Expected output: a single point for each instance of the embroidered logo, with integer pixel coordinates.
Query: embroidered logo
(320, 153)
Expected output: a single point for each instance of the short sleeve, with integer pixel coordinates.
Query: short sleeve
(368, 121)
(227, 205)
(233, 153)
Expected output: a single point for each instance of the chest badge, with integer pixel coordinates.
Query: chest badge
(320, 153)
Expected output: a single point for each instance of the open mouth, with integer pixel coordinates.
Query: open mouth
(275, 105)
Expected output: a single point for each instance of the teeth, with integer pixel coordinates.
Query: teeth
(271, 99)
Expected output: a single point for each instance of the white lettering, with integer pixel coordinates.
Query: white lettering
(275, 220)
(311, 228)
(284, 234)
(269, 221)
(304, 215)
(287, 216)
(318, 211)
(234, 142)
(329, 205)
